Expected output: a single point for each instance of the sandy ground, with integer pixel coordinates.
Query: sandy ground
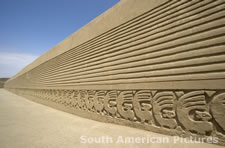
(25, 124)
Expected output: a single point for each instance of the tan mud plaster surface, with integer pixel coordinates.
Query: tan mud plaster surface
(157, 65)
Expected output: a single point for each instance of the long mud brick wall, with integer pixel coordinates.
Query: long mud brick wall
(158, 65)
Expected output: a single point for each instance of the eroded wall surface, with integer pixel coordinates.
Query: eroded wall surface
(2, 82)
(158, 65)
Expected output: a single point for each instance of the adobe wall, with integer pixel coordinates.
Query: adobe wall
(151, 64)
(2, 82)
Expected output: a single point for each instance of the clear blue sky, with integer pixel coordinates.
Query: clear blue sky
(28, 28)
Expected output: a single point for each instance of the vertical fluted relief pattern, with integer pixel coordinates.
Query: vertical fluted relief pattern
(163, 71)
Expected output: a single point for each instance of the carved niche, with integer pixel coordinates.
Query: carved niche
(125, 106)
(164, 109)
(142, 105)
(193, 114)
